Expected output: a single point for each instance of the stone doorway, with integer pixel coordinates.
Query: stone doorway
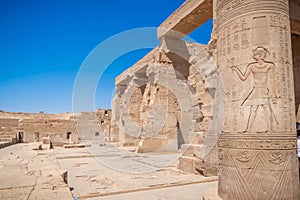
(21, 137)
(69, 135)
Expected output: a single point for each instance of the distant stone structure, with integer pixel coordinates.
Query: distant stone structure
(59, 128)
(94, 125)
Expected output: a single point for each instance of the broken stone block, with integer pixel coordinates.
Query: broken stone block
(46, 143)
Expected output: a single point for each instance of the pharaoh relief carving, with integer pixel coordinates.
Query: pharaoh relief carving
(262, 96)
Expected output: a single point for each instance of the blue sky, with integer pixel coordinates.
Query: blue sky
(43, 44)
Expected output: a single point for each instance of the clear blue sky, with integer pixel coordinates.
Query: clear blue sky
(43, 43)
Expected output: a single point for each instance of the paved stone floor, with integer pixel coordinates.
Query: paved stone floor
(31, 174)
(95, 172)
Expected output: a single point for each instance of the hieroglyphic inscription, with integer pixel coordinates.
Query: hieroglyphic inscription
(225, 8)
(228, 39)
(258, 144)
(236, 38)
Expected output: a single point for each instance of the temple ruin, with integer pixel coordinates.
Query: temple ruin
(228, 108)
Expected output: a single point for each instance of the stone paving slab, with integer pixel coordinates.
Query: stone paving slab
(113, 170)
(93, 172)
(29, 174)
(15, 194)
(185, 192)
(55, 194)
(9, 181)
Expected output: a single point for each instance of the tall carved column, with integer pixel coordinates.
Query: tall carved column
(257, 148)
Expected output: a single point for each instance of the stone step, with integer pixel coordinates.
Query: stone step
(5, 139)
(7, 136)
(7, 133)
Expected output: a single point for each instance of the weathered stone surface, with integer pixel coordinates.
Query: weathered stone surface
(104, 120)
(29, 174)
(67, 146)
(190, 15)
(61, 128)
(211, 194)
(194, 160)
(178, 81)
(193, 14)
(258, 139)
(47, 144)
(156, 145)
(51, 193)
(88, 127)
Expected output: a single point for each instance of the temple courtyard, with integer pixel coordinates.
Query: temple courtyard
(95, 172)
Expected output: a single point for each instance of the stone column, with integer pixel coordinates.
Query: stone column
(258, 143)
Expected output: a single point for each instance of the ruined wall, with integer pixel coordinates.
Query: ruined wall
(32, 127)
(138, 102)
(88, 127)
(115, 116)
(171, 106)
(104, 120)
(164, 139)
(192, 159)
(134, 111)
(8, 129)
(60, 130)
(9, 122)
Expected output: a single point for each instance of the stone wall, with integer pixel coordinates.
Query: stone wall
(8, 128)
(60, 131)
(165, 103)
(61, 128)
(104, 120)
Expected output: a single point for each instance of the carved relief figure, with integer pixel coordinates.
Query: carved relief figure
(261, 94)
